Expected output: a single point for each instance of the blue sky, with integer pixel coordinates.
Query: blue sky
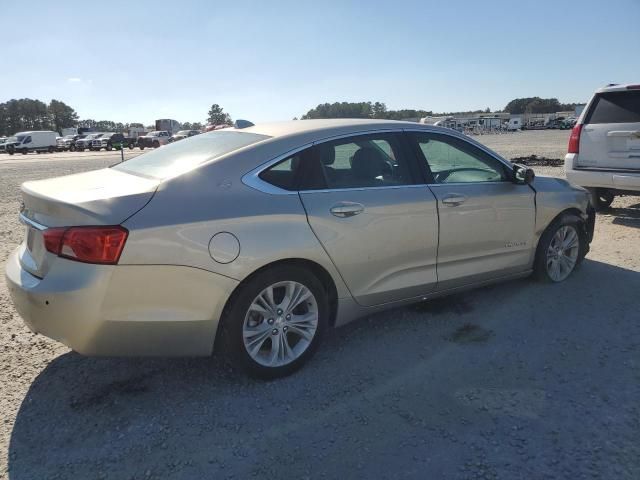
(137, 61)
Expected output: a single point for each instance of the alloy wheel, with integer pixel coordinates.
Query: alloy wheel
(280, 324)
(562, 253)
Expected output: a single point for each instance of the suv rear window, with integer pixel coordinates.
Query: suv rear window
(616, 107)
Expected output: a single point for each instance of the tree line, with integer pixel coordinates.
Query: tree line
(379, 109)
(24, 114)
(27, 114)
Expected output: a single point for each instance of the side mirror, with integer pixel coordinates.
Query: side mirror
(522, 175)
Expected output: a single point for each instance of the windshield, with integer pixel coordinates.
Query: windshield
(18, 138)
(183, 132)
(182, 156)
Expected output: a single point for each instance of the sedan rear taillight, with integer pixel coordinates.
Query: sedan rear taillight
(574, 139)
(101, 245)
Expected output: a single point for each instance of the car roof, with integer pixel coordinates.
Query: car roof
(324, 127)
(619, 87)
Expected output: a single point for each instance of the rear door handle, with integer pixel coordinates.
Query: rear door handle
(346, 209)
(453, 199)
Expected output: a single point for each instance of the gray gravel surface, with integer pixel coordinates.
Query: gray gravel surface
(520, 380)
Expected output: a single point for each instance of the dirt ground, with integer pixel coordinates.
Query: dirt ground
(520, 380)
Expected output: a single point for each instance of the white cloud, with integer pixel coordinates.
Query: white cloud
(74, 79)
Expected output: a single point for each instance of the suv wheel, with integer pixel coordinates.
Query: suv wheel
(156, 144)
(601, 198)
(275, 322)
(109, 147)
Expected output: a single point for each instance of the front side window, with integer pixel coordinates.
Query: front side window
(453, 160)
(27, 140)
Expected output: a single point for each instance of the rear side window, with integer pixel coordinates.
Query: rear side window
(284, 174)
(362, 161)
(616, 107)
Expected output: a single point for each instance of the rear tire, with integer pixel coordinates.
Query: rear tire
(601, 198)
(276, 326)
(25, 151)
(141, 147)
(50, 150)
(561, 249)
(156, 144)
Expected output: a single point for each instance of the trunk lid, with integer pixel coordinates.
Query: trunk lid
(101, 197)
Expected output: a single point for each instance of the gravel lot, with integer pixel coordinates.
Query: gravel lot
(520, 380)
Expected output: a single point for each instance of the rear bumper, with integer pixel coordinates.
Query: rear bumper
(601, 178)
(122, 310)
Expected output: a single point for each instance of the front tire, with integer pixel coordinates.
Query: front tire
(275, 322)
(561, 249)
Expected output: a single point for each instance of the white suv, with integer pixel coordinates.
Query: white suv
(604, 147)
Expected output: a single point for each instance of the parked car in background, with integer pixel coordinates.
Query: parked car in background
(264, 237)
(109, 141)
(182, 134)
(33, 141)
(65, 143)
(81, 136)
(81, 144)
(153, 139)
(604, 147)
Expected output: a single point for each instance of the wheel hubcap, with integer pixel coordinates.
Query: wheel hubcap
(280, 324)
(562, 253)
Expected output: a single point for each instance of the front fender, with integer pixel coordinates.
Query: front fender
(556, 195)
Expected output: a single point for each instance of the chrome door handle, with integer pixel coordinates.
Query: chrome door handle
(453, 200)
(346, 209)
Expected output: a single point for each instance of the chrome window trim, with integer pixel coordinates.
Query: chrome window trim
(27, 221)
(253, 180)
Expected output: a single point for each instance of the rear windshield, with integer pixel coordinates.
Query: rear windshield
(179, 157)
(616, 107)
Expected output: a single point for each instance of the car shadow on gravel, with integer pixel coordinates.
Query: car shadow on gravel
(449, 376)
(628, 216)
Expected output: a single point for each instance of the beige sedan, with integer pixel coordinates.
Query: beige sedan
(258, 239)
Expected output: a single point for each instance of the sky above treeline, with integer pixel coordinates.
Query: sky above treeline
(268, 61)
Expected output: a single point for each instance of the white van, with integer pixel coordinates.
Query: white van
(36, 141)
(604, 147)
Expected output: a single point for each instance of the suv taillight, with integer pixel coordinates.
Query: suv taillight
(574, 139)
(101, 245)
